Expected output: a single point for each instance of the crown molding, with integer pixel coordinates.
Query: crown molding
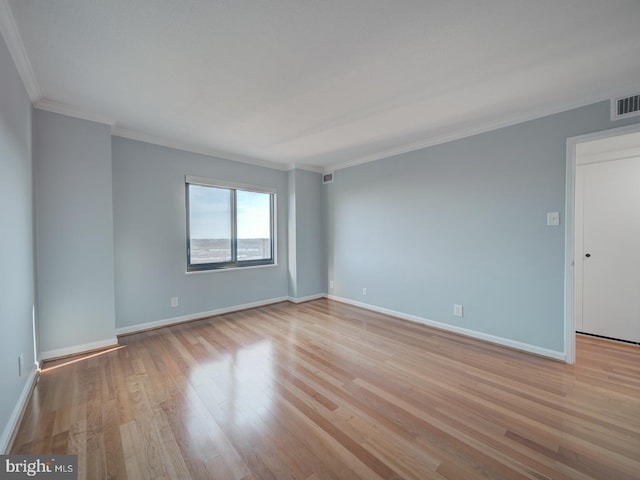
(11, 35)
(141, 136)
(483, 127)
(307, 168)
(71, 111)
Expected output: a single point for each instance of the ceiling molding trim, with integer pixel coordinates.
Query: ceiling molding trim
(307, 168)
(140, 136)
(71, 111)
(475, 130)
(117, 131)
(11, 35)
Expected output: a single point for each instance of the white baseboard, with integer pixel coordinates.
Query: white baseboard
(86, 347)
(18, 410)
(141, 327)
(525, 347)
(307, 298)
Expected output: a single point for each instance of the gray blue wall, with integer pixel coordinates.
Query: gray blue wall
(16, 243)
(74, 224)
(307, 241)
(150, 236)
(292, 255)
(463, 222)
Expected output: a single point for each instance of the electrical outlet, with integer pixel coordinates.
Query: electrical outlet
(174, 301)
(20, 364)
(457, 310)
(364, 291)
(331, 284)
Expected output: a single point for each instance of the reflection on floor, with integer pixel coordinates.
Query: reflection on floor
(326, 390)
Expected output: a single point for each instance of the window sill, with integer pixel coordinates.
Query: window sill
(231, 269)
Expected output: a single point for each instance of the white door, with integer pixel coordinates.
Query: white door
(611, 249)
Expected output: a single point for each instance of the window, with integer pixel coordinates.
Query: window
(228, 225)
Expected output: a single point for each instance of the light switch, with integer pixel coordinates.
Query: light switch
(553, 218)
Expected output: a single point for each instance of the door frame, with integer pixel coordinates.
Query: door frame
(571, 279)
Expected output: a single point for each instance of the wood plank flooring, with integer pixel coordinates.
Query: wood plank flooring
(324, 390)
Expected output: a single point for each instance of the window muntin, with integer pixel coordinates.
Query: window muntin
(228, 226)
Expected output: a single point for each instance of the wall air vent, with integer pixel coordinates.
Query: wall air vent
(625, 107)
(327, 178)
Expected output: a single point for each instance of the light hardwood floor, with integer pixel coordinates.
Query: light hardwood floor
(326, 390)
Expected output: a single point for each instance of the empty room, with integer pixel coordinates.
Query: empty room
(320, 239)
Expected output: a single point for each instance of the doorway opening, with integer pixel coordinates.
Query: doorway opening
(609, 145)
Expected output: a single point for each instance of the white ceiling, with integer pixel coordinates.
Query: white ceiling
(319, 83)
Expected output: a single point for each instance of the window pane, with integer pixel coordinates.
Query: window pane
(209, 224)
(254, 225)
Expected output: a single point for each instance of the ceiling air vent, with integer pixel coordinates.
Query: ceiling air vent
(625, 107)
(327, 178)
